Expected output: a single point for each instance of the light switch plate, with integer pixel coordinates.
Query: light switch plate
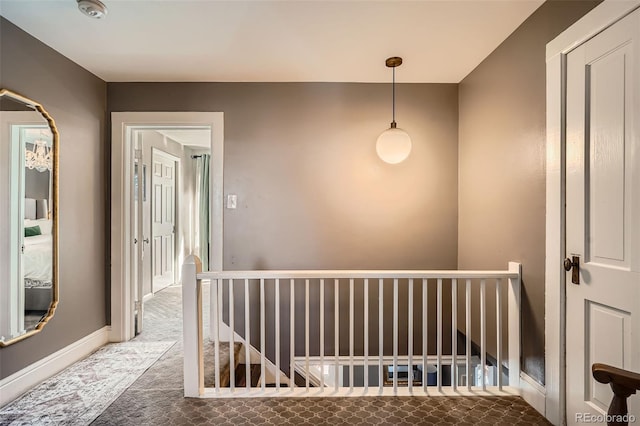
(232, 201)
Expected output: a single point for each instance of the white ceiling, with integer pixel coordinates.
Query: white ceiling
(275, 41)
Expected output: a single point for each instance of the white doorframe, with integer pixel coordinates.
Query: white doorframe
(600, 18)
(122, 125)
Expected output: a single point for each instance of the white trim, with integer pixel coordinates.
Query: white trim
(591, 24)
(346, 392)
(533, 393)
(20, 382)
(122, 324)
(554, 250)
(601, 17)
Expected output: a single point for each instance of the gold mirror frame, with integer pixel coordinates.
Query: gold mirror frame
(54, 209)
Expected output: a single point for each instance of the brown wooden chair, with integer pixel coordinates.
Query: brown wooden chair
(623, 383)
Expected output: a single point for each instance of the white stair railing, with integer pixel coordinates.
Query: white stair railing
(312, 331)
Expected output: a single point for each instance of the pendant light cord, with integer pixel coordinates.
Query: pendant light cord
(393, 96)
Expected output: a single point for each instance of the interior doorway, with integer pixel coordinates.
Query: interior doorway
(153, 205)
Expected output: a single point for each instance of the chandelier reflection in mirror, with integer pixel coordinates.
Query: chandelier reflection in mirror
(39, 157)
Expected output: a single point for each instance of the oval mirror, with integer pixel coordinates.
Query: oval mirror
(29, 218)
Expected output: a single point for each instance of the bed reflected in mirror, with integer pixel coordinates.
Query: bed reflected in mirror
(28, 240)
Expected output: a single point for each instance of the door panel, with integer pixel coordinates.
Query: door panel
(608, 331)
(603, 211)
(157, 256)
(606, 78)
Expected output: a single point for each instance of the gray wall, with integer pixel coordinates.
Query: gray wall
(312, 193)
(76, 99)
(502, 164)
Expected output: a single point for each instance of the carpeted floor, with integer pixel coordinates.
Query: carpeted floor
(168, 407)
(77, 395)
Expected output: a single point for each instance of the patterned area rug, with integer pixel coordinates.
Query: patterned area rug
(77, 395)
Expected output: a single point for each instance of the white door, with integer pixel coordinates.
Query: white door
(603, 214)
(163, 219)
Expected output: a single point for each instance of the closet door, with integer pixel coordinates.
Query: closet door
(603, 214)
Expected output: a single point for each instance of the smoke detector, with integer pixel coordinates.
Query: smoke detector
(92, 8)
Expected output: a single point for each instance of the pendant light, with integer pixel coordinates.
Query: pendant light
(394, 144)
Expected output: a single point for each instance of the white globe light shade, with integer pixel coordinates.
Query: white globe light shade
(393, 146)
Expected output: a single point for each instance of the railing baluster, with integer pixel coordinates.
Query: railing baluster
(263, 376)
(483, 332)
(380, 335)
(425, 333)
(322, 334)
(351, 326)
(232, 328)
(395, 336)
(454, 334)
(336, 332)
(292, 336)
(439, 334)
(410, 336)
(366, 335)
(217, 343)
(499, 330)
(513, 321)
(277, 337)
(306, 333)
(247, 335)
(468, 333)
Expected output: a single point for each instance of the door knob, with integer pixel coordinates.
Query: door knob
(573, 265)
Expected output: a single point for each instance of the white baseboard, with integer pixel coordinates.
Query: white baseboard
(533, 393)
(20, 382)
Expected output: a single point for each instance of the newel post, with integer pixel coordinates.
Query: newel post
(192, 327)
(514, 324)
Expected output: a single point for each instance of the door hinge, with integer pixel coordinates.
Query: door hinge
(137, 154)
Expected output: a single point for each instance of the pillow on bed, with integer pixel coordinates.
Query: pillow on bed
(44, 224)
(32, 231)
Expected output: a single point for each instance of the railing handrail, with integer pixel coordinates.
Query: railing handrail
(356, 274)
